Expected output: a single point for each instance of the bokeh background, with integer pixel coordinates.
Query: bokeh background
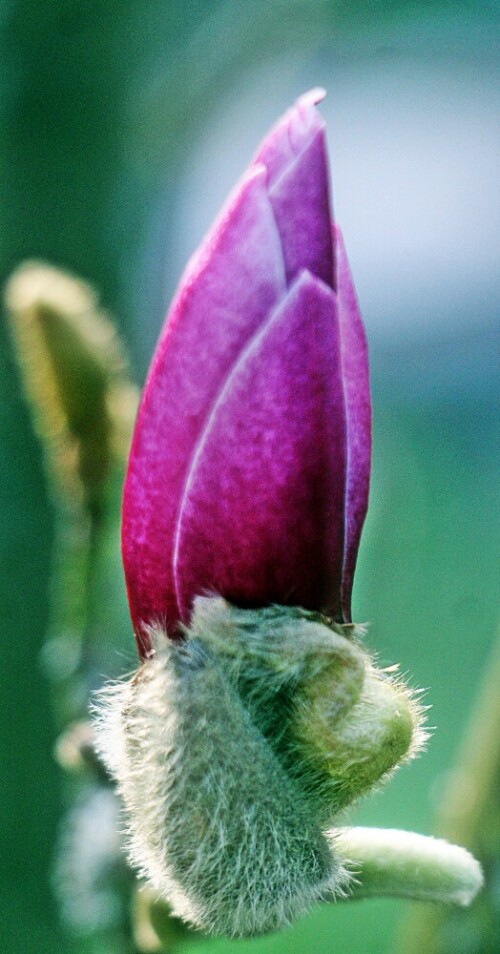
(123, 125)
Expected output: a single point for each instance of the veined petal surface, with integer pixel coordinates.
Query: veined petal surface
(229, 288)
(262, 516)
(295, 156)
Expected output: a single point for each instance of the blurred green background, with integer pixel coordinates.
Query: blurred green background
(123, 125)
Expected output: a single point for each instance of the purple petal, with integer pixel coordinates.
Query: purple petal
(262, 516)
(249, 469)
(295, 157)
(358, 414)
(290, 134)
(227, 291)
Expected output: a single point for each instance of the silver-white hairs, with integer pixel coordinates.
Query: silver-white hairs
(234, 751)
(338, 724)
(214, 821)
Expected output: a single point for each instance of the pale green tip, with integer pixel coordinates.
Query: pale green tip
(388, 862)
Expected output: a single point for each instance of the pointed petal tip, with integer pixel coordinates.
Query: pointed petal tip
(290, 134)
(304, 118)
(294, 155)
(311, 97)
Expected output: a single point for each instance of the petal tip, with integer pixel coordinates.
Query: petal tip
(312, 97)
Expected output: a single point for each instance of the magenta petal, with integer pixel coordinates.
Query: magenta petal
(301, 203)
(291, 133)
(295, 157)
(228, 290)
(249, 468)
(358, 412)
(262, 516)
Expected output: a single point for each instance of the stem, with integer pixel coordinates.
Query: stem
(402, 864)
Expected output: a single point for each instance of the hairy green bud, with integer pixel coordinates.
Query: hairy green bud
(235, 747)
(338, 724)
(215, 823)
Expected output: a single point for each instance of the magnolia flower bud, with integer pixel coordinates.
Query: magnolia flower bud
(256, 714)
(249, 469)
